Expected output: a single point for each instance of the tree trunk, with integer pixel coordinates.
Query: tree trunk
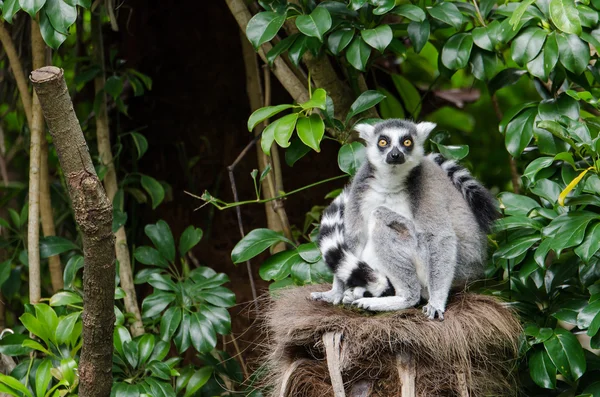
(93, 214)
(110, 181)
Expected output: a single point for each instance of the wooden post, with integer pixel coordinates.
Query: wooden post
(288, 373)
(333, 353)
(463, 390)
(407, 373)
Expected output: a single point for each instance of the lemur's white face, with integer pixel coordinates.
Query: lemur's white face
(395, 144)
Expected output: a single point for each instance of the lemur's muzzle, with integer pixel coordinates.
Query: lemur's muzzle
(395, 156)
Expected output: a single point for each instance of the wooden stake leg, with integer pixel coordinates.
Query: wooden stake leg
(332, 342)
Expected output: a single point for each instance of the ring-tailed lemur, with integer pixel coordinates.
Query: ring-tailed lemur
(407, 226)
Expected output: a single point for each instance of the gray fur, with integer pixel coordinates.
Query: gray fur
(410, 222)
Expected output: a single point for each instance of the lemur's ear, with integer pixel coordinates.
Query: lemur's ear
(365, 131)
(423, 130)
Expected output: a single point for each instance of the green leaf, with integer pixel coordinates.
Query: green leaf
(154, 189)
(351, 156)
(339, 39)
(519, 132)
(51, 36)
(31, 6)
(146, 344)
(218, 296)
(453, 152)
(280, 48)
(202, 334)
(587, 314)
(515, 204)
(568, 230)
(267, 138)
(310, 252)
(54, 245)
(75, 263)
(484, 64)
(64, 298)
(162, 238)
(263, 27)
(219, 318)
(536, 166)
(278, 266)
(378, 38)
(155, 303)
(61, 15)
(297, 49)
(141, 144)
(527, 45)
(357, 4)
(411, 12)
(316, 24)
(311, 130)
(566, 353)
(418, 33)
(14, 384)
(265, 113)
(197, 380)
(182, 337)
(517, 246)
(190, 237)
(519, 11)
(482, 38)
(12, 345)
(9, 9)
(505, 78)
(574, 54)
(365, 101)
(317, 100)
(456, 51)
(162, 282)
(114, 86)
(588, 16)
(409, 94)
(390, 107)
(150, 256)
(383, 6)
(590, 245)
(541, 369)
(295, 151)
(254, 243)
(284, 127)
(65, 327)
(35, 326)
(43, 377)
(516, 222)
(358, 53)
(31, 344)
(448, 13)
(565, 16)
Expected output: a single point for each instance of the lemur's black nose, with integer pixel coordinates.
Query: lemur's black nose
(395, 155)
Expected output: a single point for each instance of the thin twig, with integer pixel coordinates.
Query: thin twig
(478, 13)
(239, 354)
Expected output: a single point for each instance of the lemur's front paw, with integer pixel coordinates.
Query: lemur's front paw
(332, 296)
(352, 294)
(431, 311)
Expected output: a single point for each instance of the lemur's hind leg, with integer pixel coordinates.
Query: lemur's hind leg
(395, 247)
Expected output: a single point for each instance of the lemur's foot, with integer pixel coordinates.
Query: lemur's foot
(384, 304)
(331, 296)
(352, 294)
(431, 311)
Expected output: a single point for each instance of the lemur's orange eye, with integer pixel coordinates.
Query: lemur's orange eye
(382, 142)
(407, 142)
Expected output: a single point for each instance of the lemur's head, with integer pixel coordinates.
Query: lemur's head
(392, 143)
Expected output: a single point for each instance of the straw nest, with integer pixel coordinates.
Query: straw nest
(471, 352)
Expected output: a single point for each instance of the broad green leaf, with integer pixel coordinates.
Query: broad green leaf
(31, 344)
(516, 222)
(390, 107)
(310, 252)
(263, 27)
(15, 384)
(162, 238)
(588, 16)
(75, 263)
(54, 245)
(254, 243)
(517, 15)
(482, 38)
(317, 100)
(351, 156)
(587, 315)
(547, 189)
(409, 94)
(197, 380)
(516, 247)
(536, 166)
(358, 53)
(568, 230)
(311, 130)
(120, 337)
(484, 64)
(448, 13)
(141, 144)
(31, 6)
(61, 15)
(357, 4)
(565, 16)
(339, 39)
(264, 113)
(411, 12)
(278, 266)
(453, 152)
(182, 337)
(297, 49)
(456, 51)
(65, 327)
(154, 189)
(162, 282)
(571, 186)
(365, 101)
(202, 334)
(590, 245)
(51, 36)
(119, 219)
(155, 303)
(418, 33)
(114, 86)
(378, 38)
(541, 369)
(218, 296)
(528, 45)
(280, 48)
(383, 6)
(316, 24)
(43, 377)
(47, 318)
(295, 151)
(267, 138)
(35, 326)
(64, 298)
(284, 127)
(505, 78)
(219, 318)
(190, 237)
(566, 354)
(12, 345)
(519, 132)
(9, 9)
(574, 53)
(150, 256)
(146, 344)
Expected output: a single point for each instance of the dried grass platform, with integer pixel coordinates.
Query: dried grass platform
(317, 349)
